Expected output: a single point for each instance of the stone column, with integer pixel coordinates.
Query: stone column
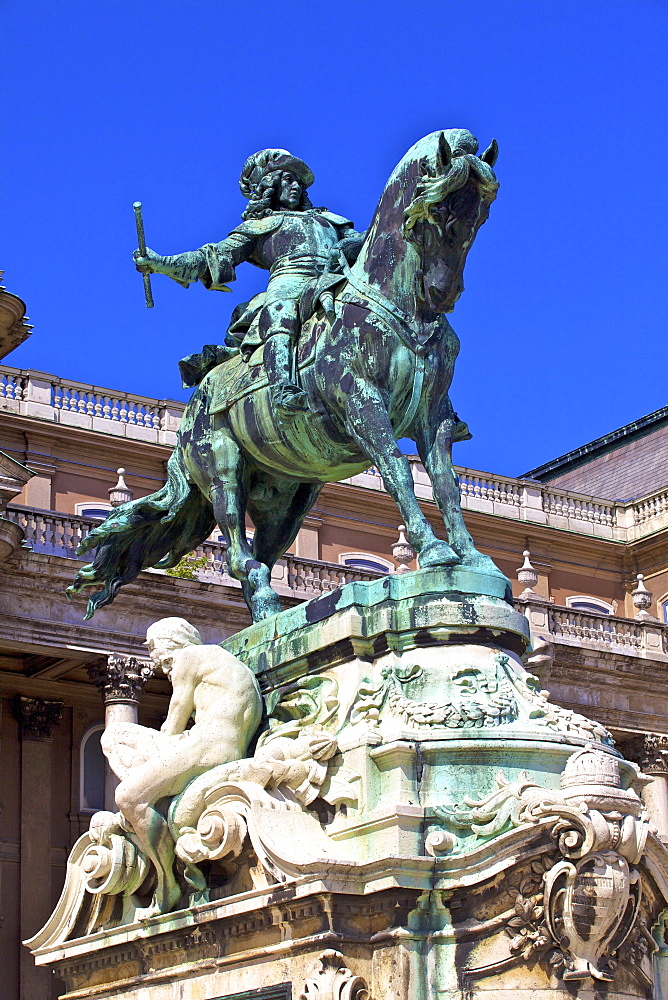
(37, 719)
(120, 680)
(655, 796)
(307, 543)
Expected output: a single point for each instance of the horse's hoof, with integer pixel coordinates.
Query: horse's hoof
(437, 553)
(265, 603)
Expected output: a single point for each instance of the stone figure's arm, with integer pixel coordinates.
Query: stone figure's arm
(213, 264)
(181, 704)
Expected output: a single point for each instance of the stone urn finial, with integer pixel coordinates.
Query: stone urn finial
(642, 600)
(402, 551)
(527, 575)
(120, 493)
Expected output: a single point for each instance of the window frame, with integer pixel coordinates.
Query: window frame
(384, 564)
(97, 727)
(81, 508)
(605, 608)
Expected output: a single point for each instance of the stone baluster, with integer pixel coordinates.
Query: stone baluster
(655, 795)
(37, 719)
(402, 551)
(121, 492)
(120, 680)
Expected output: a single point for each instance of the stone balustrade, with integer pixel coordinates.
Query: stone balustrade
(571, 627)
(52, 533)
(37, 394)
(91, 407)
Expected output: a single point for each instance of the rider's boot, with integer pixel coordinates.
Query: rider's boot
(288, 397)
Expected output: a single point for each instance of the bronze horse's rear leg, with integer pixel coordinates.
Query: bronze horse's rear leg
(369, 423)
(229, 494)
(433, 435)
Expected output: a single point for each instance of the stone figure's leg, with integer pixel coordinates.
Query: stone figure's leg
(369, 423)
(229, 494)
(135, 797)
(276, 525)
(433, 434)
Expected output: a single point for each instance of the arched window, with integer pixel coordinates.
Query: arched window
(91, 771)
(663, 604)
(93, 508)
(591, 604)
(365, 562)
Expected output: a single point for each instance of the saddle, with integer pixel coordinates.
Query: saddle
(240, 359)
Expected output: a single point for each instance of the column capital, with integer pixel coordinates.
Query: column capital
(37, 717)
(655, 760)
(120, 678)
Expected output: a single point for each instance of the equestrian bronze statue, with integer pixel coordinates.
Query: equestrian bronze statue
(347, 351)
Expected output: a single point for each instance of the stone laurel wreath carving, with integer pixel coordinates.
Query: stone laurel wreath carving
(331, 979)
(580, 906)
(483, 700)
(480, 697)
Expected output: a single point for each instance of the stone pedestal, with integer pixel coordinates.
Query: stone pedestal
(418, 821)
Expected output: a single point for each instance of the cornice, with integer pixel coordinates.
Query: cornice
(14, 328)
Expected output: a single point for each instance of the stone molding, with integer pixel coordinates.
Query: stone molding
(37, 717)
(121, 678)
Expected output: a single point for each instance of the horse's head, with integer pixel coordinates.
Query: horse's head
(451, 201)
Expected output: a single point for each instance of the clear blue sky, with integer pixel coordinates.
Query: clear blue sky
(563, 322)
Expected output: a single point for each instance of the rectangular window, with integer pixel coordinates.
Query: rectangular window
(282, 991)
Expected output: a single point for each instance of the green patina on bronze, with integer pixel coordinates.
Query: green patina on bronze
(347, 351)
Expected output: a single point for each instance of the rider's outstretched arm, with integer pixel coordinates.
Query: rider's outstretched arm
(213, 264)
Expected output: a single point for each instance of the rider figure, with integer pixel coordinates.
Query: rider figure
(281, 233)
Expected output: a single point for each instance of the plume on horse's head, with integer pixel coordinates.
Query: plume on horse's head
(448, 170)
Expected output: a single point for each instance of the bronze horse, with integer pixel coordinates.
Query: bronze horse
(377, 369)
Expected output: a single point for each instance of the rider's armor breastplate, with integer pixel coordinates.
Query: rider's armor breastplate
(300, 246)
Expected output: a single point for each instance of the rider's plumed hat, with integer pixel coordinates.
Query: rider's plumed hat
(267, 160)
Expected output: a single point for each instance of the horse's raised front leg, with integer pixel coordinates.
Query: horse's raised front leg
(369, 423)
(433, 435)
(229, 497)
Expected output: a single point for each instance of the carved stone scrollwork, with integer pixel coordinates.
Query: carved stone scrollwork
(37, 717)
(121, 678)
(579, 907)
(331, 979)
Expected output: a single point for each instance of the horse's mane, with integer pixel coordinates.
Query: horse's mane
(432, 189)
(421, 180)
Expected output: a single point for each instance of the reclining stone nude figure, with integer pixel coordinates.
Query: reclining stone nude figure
(222, 695)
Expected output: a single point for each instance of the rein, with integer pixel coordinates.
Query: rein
(397, 320)
(399, 323)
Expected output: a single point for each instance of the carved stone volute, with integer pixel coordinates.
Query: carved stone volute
(37, 717)
(331, 979)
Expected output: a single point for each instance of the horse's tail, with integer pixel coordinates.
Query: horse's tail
(157, 530)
